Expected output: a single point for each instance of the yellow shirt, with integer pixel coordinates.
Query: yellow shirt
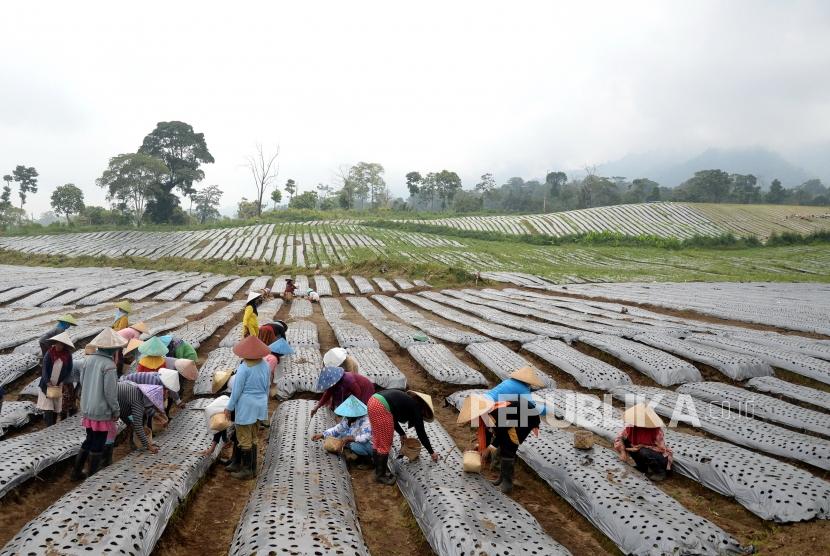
(250, 323)
(121, 323)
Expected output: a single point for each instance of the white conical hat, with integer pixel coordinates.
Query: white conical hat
(335, 357)
(63, 338)
(108, 339)
(252, 296)
(642, 415)
(170, 379)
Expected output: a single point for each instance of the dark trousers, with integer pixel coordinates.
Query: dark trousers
(647, 460)
(500, 437)
(94, 441)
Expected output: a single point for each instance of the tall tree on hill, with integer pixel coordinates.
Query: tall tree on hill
(183, 151)
(276, 197)
(641, 190)
(706, 186)
(67, 200)
(264, 170)
(26, 178)
(776, 193)
(486, 187)
(448, 184)
(413, 182)
(8, 178)
(366, 180)
(290, 188)
(207, 203)
(131, 179)
(745, 189)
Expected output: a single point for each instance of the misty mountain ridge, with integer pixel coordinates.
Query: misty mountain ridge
(670, 170)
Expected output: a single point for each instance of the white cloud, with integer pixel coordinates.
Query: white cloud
(513, 88)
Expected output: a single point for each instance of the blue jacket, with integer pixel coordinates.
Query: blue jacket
(249, 397)
(512, 389)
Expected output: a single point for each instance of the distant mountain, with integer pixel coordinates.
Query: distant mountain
(671, 169)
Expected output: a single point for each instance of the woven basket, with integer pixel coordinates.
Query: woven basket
(54, 392)
(411, 448)
(583, 440)
(219, 422)
(332, 445)
(472, 461)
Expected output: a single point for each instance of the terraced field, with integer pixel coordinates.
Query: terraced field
(743, 478)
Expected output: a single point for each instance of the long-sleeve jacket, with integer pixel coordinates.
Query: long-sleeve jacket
(249, 397)
(512, 390)
(351, 384)
(250, 322)
(148, 378)
(405, 409)
(121, 321)
(48, 367)
(133, 405)
(181, 350)
(360, 429)
(99, 388)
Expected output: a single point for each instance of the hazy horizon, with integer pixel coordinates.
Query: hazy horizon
(470, 87)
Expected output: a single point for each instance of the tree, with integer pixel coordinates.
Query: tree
(291, 189)
(131, 179)
(367, 179)
(246, 210)
(413, 179)
(8, 178)
(597, 191)
(276, 197)
(486, 187)
(27, 182)
(555, 181)
(207, 203)
(641, 190)
(68, 199)
(776, 193)
(706, 186)
(447, 184)
(467, 201)
(307, 200)
(264, 170)
(744, 189)
(183, 151)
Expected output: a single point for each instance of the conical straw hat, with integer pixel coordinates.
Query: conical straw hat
(153, 348)
(140, 326)
(219, 380)
(642, 415)
(352, 407)
(186, 368)
(252, 296)
(134, 343)
(67, 318)
(474, 406)
(170, 379)
(251, 348)
(334, 357)
(427, 399)
(64, 339)
(528, 376)
(125, 306)
(108, 339)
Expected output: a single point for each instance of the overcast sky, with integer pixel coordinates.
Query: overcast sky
(513, 88)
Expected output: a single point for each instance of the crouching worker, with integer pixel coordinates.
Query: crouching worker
(642, 441)
(217, 423)
(337, 385)
(138, 403)
(353, 433)
(505, 416)
(249, 402)
(387, 410)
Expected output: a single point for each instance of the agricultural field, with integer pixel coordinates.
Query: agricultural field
(742, 481)
(341, 245)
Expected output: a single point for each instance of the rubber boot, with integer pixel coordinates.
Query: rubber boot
(507, 468)
(49, 418)
(106, 458)
(94, 463)
(244, 472)
(235, 461)
(78, 469)
(254, 451)
(382, 473)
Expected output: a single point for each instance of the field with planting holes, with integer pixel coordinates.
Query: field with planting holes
(743, 479)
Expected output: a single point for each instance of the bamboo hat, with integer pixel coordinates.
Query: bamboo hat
(252, 296)
(251, 348)
(186, 367)
(427, 401)
(642, 415)
(170, 379)
(219, 380)
(64, 339)
(334, 357)
(68, 319)
(153, 348)
(140, 326)
(528, 376)
(125, 306)
(475, 406)
(108, 339)
(134, 343)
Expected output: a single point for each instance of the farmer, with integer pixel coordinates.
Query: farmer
(217, 423)
(313, 296)
(249, 402)
(178, 348)
(250, 322)
(505, 416)
(64, 322)
(138, 403)
(133, 331)
(290, 288)
(122, 310)
(337, 385)
(166, 378)
(642, 440)
(55, 373)
(279, 349)
(387, 410)
(272, 331)
(152, 354)
(339, 357)
(99, 400)
(353, 431)
(128, 356)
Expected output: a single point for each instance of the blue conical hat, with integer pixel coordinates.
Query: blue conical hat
(281, 347)
(352, 407)
(153, 347)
